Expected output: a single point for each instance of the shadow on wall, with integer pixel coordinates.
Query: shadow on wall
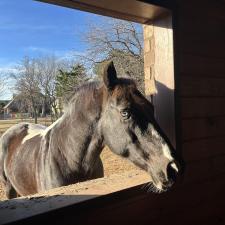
(164, 107)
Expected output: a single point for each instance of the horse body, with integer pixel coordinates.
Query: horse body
(34, 158)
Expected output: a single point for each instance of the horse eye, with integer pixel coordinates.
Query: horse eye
(125, 114)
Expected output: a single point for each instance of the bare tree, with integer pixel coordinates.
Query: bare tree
(48, 67)
(120, 41)
(3, 84)
(36, 81)
(27, 84)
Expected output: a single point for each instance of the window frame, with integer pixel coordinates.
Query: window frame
(77, 212)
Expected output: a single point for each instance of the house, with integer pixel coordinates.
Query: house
(15, 108)
(10, 107)
(3, 103)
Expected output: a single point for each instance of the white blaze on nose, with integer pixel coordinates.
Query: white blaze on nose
(166, 152)
(173, 165)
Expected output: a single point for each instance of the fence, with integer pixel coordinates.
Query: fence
(15, 116)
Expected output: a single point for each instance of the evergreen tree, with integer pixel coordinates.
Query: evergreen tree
(67, 80)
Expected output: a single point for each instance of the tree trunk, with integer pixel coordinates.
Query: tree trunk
(43, 109)
(35, 115)
(34, 110)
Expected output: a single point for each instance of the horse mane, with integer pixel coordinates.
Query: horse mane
(85, 94)
(87, 91)
(86, 87)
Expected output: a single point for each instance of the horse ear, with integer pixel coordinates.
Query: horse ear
(110, 75)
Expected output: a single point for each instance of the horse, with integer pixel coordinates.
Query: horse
(111, 112)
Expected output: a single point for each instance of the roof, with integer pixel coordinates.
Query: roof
(6, 106)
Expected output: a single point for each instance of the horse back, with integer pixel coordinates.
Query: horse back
(6, 138)
(19, 151)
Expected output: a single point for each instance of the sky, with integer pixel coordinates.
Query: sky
(30, 28)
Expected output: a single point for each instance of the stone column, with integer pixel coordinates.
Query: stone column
(149, 60)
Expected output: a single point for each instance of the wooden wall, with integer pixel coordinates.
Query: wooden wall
(200, 52)
(200, 84)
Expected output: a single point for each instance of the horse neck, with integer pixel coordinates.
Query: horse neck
(77, 138)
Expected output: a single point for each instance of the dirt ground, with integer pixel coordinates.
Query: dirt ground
(112, 163)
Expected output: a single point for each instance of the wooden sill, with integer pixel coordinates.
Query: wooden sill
(136, 11)
(31, 208)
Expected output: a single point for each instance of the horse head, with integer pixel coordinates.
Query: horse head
(130, 130)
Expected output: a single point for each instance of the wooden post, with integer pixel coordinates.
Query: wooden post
(149, 60)
(159, 72)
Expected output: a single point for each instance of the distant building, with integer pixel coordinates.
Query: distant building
(9, 107)
(3, 103)
(20, 107)
(14, 108)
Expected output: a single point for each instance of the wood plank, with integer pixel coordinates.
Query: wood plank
(198, 32)
(156, 209)
(204, 169)
(136, 11)
(203, 149)
(208, 45)
(203, 128)
(218, 164)
(207, 206)
(191, 64)
(195, 107)
(198, 171)
(196, 86)
(199, 14)
(208, 210)
(58, 198)
(200, 24)
(136, 207)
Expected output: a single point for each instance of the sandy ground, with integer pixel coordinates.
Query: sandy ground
(112, 163)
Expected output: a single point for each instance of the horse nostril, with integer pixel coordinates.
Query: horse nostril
(172, 171)
(168, 183)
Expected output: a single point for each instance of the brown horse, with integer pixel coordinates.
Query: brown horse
(34, 158)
